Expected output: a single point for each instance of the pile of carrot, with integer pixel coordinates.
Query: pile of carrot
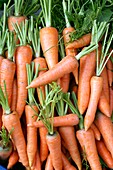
(58, 92)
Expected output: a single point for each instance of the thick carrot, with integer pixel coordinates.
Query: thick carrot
(71, 143)
(49, 44)
(49, 165)
(87, 68)
(105, 126)
(104, 153)
(31, 133)
(54, 145)
(96, 89)
(13, 159)
(87, 142)
(66, 120)
(66, 65)
(14, 95)
(97, 133)
(81, 42)
(12, 123)
(23, 56)
(109, 66)
(7, 73)
(43, 144)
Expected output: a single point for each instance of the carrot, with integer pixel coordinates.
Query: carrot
(71, 143)
(104, 153)
(81, 42)
(87, 68)
(97, 133)
(37, 162)
(66, 163)
(111, 100)
(13, 159)
(66, 120)
(43, 144)
(14, 95)
(87, 142)
(109, 66)
(1, 58)
(54, 145)
(96, 89)
(48, 165)
(105, 127)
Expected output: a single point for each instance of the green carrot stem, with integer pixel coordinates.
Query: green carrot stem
(65, 10)
(18, 7)
(11, 45)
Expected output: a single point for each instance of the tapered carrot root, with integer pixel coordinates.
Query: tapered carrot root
(66, 120)
(110, 72)
(12, 123)
(23, 55)
(87, 142)
(7, 73)
(105, 126)
(49, 44)
(66, 65)
(54, 145)
(87, 68)
(31, 133)
(97, 133)
(81, 42)
(71, 144)
(43, 144)
(104, 153)
(49, 165)
(13, 159)
(14, 95)
(96, 89)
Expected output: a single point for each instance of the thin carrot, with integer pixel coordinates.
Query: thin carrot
(104, 153)
(14, 95)
(71, 144)
(109, 66)
(105, 126)
(37, 162)
(48, 165)
(13, 159)
(87, 142)
(97, 133)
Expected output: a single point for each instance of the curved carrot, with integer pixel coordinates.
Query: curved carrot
(96, 89)
(31, 133)
(49, 44)
(97, 133)
(43, 144)
(14, 95)
(81, 42)
(23, 56)
(87, 68)
(54, 145)
(71, 143)
(12, 123)
(56, 72)
(13, 159)
(104, 153)
(105, 126)
(87, 142)
(109, 66)
(66, 120)
(49, 165)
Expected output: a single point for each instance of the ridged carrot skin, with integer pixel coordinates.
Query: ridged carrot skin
(87, 142)
(49, 44)
(12, 121)
(23, 56)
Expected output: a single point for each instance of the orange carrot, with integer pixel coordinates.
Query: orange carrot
(13, 159)
(23, 55)
(1, 58)
(37, 162)
(43, 144)
(14, 95)
(81, 42)
(31, 133)
(105, 126)
(87, 68)
(111, 100)
(66, 120)
(109, 66)
(97, 133)
(49, 165)
(87, 142)
(66, 164)
(96, 89)
(71, 143)
(12, 123)
(54, 145)
(104, 153)
(56, 72)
